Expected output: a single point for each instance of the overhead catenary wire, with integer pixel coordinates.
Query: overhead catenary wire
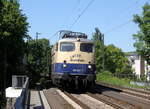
(110, 30)
(77, 17)
(66, 19)
(118, 27)
(124, 11)
(121, 25)
(54, 34)
(75, 21)
(70, 14)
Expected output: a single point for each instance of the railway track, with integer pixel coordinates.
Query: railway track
(100, 97)
(74, 100)
(111, 101)
(138, 99)
(84, 106)
(88, 102)
(134, 92)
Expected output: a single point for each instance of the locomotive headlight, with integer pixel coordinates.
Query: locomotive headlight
(78, 39)
(64, 65)
(89, 66)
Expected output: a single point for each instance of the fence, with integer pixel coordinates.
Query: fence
(139, 80)
(19, 83)
(22, 101)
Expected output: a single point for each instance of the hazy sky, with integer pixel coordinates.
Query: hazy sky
(112, 17)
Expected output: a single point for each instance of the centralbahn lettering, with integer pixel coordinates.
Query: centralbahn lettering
(77, 60)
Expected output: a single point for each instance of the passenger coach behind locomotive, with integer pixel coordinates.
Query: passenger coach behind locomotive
(73, 60)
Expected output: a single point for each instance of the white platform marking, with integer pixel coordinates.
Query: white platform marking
(45, 103)
(70, 101)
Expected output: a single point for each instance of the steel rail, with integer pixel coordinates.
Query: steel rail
(110, 101)
(76, 100)
(122, 87)
(117, 94)
(131, 91)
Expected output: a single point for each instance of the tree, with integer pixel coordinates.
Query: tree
(142, 37)
(109, 58)
(38, 58)
(98, 38)
(13, 31)
(115, 61)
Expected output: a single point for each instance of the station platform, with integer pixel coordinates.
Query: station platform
(38, 100)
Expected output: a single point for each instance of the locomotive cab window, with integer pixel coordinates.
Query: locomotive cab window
(86, 47)
(67, 46)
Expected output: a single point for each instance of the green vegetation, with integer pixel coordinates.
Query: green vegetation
(115, 61)
(38, 60)
(16, 46)
(13, 31)
(142, 38)
(98, 38)
(107, 77)
(111, 62)
(19, 54)
(109, 58)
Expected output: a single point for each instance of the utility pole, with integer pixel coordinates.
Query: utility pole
(103, 51)
(37, 34)
(47, 60)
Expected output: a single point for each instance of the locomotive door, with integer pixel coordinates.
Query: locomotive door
(82, 65)
(80, 58)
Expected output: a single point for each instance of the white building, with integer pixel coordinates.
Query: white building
(139, 64)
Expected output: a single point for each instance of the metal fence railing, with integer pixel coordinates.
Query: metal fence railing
(134, 79)
(140, 78)
(22, 101)
(19, 83)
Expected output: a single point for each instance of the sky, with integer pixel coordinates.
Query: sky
(112, 17)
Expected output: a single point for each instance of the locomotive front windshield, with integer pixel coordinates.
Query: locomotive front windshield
(86, 47)
(67, 46)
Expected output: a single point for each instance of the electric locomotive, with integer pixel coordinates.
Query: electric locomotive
(73, 60)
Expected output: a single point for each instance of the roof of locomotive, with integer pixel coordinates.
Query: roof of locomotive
(75, 40)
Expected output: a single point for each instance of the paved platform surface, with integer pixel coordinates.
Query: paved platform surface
(55, 100)
(35, 102)
(45, 102)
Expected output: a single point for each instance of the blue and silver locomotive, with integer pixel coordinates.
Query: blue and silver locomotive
(73, 60)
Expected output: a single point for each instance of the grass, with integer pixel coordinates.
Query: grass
(108, 78)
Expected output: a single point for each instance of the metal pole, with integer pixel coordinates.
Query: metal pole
(103, 52)
(37, 34)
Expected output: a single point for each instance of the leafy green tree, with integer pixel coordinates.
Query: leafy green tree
(38, 58)
(13, 31)
(115, 61)
(109, 58)
(98, 38)
(142, 37)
